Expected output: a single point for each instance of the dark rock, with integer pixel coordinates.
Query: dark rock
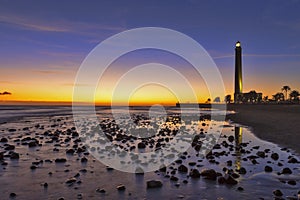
(163, 169)
(45, 185)
(154, 184)
(121, 187)
(4, 140)
(12, 195)
(209, 174)
(268, 169)
(293, 160)
(84, 160)
(192, 163)
(178, 161)
(109, 168)
(70, 151)
(261, 154)
(141, 145)
(234, 175)
(173, 178)
(100, 190)
(71, 180)
(275, 156)
(242, 170)
(9, 147)
(194, 173)
(33, 167)
(60, 160)
(286, 171)
(14, 155)
(292, 182)
(229, 163)
(277, 193)
(230, 180)
(221, 180)
(12, 130)
(240, 189)
(183, 169)
(254, 162)
(32, 144)
(231, 138)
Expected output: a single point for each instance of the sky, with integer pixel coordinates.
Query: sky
(44, 43)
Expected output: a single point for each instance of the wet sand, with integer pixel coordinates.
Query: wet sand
(279, 124)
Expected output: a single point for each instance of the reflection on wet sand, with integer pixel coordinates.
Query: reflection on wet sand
(238, 132)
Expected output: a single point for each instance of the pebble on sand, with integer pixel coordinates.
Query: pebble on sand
(154, 184)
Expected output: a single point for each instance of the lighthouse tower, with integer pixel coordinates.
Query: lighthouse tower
(238, 81)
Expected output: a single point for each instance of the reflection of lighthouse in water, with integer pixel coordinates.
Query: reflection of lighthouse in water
(238, 133)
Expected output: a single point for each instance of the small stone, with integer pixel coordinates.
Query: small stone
(100, 190)
(275, 156)
(293, 160)
(230, 180)
(71, 180)
(32, 144)
(209, 174)
(261, 154)
(45, 185)
(154, 184)
(221, 180)
(121, 187)
(277, 193)
(70, 151)
(4, 140)
(173, 178)
(141, 145)
(240, 189)
(194, 173)
(14, 155)
(286, 171)
(79, 196)
(84, 160)
(12, 195)
(163, 169)
(242, 170)
(292, 182)
(268, 169)
(231, 138)
(9, 147)
(60, 160)
(182, 169)
(33, 167)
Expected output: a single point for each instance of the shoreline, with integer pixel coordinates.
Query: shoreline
(279, 124)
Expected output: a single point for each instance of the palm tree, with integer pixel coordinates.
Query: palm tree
(286, 88)
(279, 96)
(294, 95)
(228, 98)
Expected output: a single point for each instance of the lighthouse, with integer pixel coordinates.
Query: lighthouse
(238, 81)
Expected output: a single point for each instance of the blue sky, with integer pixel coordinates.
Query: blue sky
(47, 38)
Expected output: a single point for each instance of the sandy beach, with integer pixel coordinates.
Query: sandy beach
(279, 124)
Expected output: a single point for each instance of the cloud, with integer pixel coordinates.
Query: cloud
(5, 93)
(83, 28)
